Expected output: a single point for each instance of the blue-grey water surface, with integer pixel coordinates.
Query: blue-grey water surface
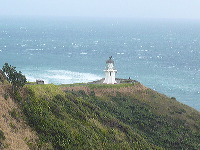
(161, 54)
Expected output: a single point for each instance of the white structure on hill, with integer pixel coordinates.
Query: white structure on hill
(110, 72)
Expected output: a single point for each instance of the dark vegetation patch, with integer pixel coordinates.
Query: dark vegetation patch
(2, 138)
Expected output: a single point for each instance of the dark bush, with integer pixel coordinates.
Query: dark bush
(2, 137)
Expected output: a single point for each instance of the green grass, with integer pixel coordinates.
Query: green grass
(73, 85)
(45, 90)
(92, 86)
(132, 117)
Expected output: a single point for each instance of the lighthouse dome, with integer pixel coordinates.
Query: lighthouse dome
(109, 61)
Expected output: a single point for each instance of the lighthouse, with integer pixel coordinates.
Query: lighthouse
(110, 72)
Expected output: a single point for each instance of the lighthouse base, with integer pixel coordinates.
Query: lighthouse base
(110, 77)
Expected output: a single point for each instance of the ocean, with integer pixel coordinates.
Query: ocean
(161, 54)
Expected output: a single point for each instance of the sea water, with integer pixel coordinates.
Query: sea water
(161, 54)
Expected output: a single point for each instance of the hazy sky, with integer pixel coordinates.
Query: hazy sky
(103, 8)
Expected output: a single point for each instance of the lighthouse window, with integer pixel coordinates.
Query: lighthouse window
(110, 73)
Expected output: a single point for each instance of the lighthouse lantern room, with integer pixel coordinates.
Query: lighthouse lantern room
(110, 72)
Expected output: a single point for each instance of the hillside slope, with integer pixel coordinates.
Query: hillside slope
(15, 133)
(123, 116)
(72, 121)
(92, 116)
(164, 121)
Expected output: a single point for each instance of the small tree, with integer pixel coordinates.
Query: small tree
(15, 78)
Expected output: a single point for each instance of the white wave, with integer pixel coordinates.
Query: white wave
(29, 78)
(142, 50)
(76, 46)
(35, 77)
(23, 45)
(96, 42)
(61, 76)
(83, 53)
(120, 53)
(37, 49)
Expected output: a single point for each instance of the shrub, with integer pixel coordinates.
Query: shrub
(15, 114)
(6, 96)
(15, 78)
(2, 137)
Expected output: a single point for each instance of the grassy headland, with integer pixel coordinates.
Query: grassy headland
(122, 116)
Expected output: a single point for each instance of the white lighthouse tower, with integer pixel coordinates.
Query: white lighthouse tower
(110, 72)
